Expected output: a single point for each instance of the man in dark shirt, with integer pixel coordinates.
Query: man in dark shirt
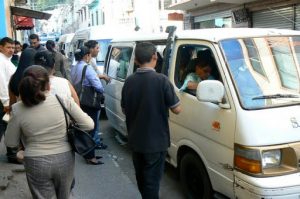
(34, 41)
(146, 98)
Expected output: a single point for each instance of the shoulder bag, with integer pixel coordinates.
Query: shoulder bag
(81, 142)
(88, 96)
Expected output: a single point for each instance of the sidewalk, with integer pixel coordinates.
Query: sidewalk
(13, 184)
(92, 182)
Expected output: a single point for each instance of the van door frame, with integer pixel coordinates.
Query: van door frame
(220, 167)
(113, 100)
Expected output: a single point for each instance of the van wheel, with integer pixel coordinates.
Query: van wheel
(194, 178)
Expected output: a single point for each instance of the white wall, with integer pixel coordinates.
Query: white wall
(147, 15)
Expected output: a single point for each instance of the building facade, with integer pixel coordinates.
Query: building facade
(5, 18)
(242, 13)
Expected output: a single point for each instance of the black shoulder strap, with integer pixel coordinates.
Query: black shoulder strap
(65, 110)
(83, 74)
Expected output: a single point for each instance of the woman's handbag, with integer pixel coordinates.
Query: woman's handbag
(88, 96)
(81, 142)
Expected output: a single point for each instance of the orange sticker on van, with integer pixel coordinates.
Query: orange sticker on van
(216, 125)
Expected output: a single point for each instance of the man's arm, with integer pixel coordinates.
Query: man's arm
(176, 110)
(105, 77)
(171, 98)
(4, 92)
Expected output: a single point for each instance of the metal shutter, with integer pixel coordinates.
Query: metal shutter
(297, 25)
(275, 18)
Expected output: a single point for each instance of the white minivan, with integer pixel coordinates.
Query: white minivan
(239, 134)
(64, 43)
(103, 34)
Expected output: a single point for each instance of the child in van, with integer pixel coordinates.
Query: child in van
(202, 72)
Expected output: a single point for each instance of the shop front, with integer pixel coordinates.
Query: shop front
(283, 14)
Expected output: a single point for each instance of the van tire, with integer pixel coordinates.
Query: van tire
(194, 178)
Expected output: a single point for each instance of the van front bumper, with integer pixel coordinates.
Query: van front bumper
(280, 187)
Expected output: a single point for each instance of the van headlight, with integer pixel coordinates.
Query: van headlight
(271, 158)
(266, 161)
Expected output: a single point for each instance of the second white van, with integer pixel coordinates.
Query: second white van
(102, 34)
(238, 134)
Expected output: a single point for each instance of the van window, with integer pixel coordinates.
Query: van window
(103, 44)
(278, 58)
(119, 62)
(80, 43)
(254, 57)
(159, 63)
(285, 63)
(189, 58)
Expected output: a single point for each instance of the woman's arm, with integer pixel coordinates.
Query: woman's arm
(13, 131)
(74, 94)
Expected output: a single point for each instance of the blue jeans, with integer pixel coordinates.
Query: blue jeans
(94, 114)
(149, 168)
(96, 135)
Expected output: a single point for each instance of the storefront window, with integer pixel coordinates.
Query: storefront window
(225, 22)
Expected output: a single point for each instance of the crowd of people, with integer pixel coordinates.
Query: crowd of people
(32, 80)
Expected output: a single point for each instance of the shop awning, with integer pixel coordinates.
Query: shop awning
(193, 4)
(23, 23)
(29, 13)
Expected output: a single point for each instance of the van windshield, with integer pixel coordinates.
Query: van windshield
(103, 49)
(265, 70)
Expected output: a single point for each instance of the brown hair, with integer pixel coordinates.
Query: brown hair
(201, 62)
(33, 84)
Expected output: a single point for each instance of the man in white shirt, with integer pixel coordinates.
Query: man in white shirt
(7, 69)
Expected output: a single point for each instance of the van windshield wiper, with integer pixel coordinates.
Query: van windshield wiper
(274, 96)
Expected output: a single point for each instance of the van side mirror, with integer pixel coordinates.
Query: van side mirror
(210, 91)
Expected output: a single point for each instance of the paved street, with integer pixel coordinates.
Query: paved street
(114, 179)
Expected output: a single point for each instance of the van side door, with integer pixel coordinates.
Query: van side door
(119, 65)
(205, 128)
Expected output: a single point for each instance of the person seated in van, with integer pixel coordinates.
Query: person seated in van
(124, 63)
(185, 55)
(114, 62)
(202, 72)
